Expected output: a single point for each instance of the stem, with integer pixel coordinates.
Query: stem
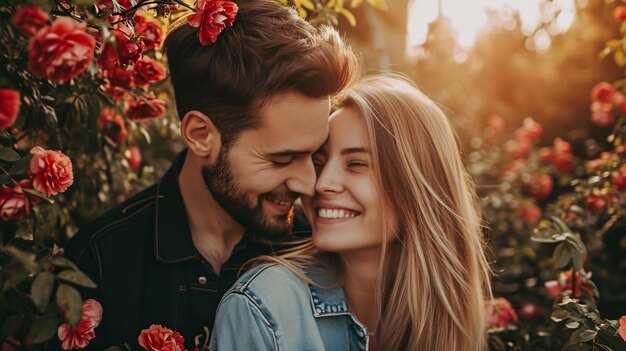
(574, 281)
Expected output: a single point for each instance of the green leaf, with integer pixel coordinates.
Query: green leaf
(26, 259)
(22, 165)
(559, 314)
(69, 301)
(44, 328)
(578, 260)
(77, 277)
(38, 194)
(577, 347)
(582, 335)
(8, 154)
(63, 262)
(562, 255)
(41, 290)
(11, 325)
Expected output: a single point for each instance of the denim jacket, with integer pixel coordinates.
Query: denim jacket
(271, 308)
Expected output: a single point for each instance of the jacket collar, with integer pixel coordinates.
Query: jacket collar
(172, 236)
(325, 301)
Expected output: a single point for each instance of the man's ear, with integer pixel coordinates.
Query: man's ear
(201, 135)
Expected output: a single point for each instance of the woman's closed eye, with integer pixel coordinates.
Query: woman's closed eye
(357, 165)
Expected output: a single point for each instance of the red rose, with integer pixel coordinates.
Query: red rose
(564, 282)
(530, 310)
(148, 71)
(212, 17)
(145, 108)
(13, 202)
(150, 32)
(113, 126)
(602, 114)
(159, 338)
(622, 327)
(529, 213)
(596, 203)
(496, 123)
(540, 187)
(128, 50)
(500, 314)
(80, 336)
(561, 157)
(603, 93)
(519, 148)
(30, 19)
(119, 77)
(620, 13)
(51, 171)
(133, 156)
(108, 4)
(620, 181)
(15, 345)
(61, 51)
(529, 130)
(9, 107)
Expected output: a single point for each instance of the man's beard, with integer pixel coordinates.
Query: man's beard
(235, 201)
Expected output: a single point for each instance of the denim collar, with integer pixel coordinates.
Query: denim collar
(326, 302)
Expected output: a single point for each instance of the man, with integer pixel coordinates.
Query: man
(254, 106)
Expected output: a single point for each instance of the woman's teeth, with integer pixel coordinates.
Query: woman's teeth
(335, 213)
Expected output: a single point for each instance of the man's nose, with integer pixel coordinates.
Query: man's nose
(302, 180)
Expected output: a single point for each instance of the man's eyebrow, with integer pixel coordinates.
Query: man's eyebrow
(355, 150)
(291, 153)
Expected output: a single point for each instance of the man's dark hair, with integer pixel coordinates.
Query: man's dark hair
(269, 50)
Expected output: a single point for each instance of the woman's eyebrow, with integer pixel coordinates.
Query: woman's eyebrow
(355, 150)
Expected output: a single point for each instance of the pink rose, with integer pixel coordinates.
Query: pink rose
(61, 51)
(500, 314)
(112, 125)
(148, 71)
(529, 130)
(149, 31)
(145, 108)
(9, 107)
(602, 114)
(596, 203)
(51, 171)
(13, 202)
(603, 93)
(622, 327)
(80, 336)
(213, 17)
(159, 338)
(30, 19)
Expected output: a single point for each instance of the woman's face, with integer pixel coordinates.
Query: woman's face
(345, 212)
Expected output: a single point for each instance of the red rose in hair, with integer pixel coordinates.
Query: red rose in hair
(51, 171)
(113, 126)
(13, 201)
(149, 31)
(61, 51)
(159, 338)
(80, 336)
(148, 71)
(145, 108)
(500, 314)
(9, 107)
(212, 17)
(30, 19)
(602, 92)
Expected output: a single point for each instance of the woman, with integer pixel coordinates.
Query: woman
(396, 260)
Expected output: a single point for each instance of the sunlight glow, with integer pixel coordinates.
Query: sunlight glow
(539, 20)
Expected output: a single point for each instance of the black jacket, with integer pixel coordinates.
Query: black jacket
(147, 269)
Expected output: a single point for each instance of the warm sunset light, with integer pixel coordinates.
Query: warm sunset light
(538, 19)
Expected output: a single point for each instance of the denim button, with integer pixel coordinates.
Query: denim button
(202, 280)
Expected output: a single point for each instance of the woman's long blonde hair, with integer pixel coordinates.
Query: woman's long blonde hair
(434, 279)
